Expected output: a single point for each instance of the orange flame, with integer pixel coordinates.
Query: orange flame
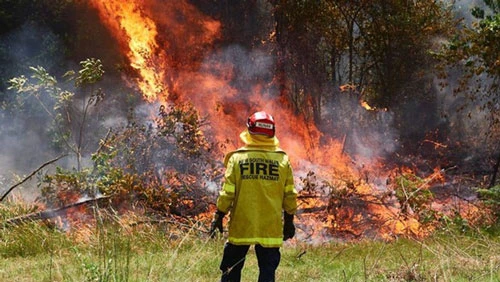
(169, 66)
(365, 105)
(135, 25)
(137, 32)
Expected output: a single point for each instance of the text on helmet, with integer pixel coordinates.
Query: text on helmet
(264, 125)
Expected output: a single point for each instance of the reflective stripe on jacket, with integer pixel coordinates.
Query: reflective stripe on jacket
(258, 187)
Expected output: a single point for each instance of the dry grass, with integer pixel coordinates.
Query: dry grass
(164, 252)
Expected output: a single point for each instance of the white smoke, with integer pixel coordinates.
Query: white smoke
(26, 131)
(463, 9)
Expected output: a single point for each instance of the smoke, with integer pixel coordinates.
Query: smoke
(467, 121)
(26, 128)
(30, 45)
(463, 9)
(249, 66)
(24, 147)
(247, 72)
(225, 85)
(23, 135)
(377, 141)
(459, 121)
(230, 84)
(463, 112)
(235, 80)
(367, 135)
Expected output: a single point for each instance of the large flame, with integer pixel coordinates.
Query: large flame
(170, 45)
(136, 32)
(135, 25)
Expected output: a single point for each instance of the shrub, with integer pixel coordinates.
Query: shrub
(491, 198)
(161, 170)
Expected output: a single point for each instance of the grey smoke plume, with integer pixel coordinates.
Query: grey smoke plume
(23, 138)
(26, 129)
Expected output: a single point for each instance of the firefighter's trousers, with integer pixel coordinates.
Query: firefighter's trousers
(234, 258)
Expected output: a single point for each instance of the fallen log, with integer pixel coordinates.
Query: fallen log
(48, 214)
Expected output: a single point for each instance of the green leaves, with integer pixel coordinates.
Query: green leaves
(42, 79)
(18, 83)
(43, 76)
(477, 13)
(56, 100)
(491, 197)
(412, 192)
(183, 124)
(474, 51)
(91, 72)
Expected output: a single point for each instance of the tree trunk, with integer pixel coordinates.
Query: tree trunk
(495, 171)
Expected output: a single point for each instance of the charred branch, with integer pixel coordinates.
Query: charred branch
(313, 209)
(48, 214)
(172, 222)
(29, 176)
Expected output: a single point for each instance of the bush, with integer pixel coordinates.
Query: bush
(412, 193)
(491, 198)
(160, 170)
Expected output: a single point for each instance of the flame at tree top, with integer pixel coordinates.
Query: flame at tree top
(135, 25)
(136, 32)
(172, 64)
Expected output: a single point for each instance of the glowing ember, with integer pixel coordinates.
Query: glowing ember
(365, 105)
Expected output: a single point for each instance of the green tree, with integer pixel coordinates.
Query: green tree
(379, 49)
(475, 50)
(69, 121)
(311, 43)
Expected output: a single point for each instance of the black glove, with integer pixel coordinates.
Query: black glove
(216, 223)
(288, 227)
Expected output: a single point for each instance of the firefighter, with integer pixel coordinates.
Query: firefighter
(261, 199)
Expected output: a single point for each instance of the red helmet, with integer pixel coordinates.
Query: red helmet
(261, 123)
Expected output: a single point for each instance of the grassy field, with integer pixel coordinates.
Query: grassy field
(34, 252)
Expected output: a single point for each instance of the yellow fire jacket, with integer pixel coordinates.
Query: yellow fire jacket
(258, 186)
